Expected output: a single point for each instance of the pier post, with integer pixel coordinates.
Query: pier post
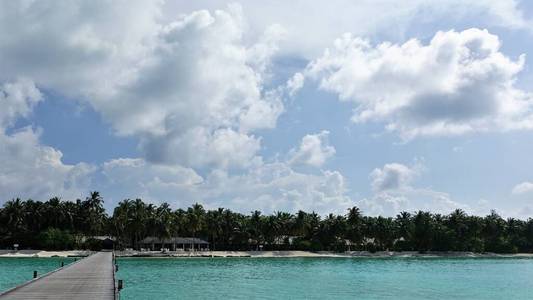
(34, 274)
(120, 284)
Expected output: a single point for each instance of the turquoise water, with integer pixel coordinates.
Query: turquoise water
(319, 278)
(14, 271)
(306, 278)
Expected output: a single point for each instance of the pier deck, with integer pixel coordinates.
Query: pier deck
(90, 278)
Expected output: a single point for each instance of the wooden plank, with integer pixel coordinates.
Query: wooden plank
(90, 278)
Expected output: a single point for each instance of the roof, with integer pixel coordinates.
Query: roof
(174, 240)
(102, 237)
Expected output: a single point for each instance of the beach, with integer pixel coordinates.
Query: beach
(43, 254)
(258, 254)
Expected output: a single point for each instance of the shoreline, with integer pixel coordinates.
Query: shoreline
(44, 254)
(261, 254)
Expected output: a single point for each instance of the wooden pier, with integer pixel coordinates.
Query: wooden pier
(90, 278)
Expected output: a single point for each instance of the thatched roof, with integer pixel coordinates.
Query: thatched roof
(174, 240)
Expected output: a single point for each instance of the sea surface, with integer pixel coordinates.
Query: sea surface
(14, 271)
(308, 278)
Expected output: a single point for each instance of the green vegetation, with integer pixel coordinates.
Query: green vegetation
(59, 224)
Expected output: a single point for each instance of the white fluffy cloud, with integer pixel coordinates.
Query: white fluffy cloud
(394, 193)
(199, 147)
(295, 83)
(17, 100)
(314, 150)
(276, 186)
(312, 25)
(199, 93)
(459, 82)
(192, 90)
(523, 188)
(393, 202)
(194, 87)
(136, 178)
(198, 74)
(268, 187)
(74, 47)
(28, 169)
(392, 176)
(164, 82)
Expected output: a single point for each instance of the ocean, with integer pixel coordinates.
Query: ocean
(307, 278)
(14, 271)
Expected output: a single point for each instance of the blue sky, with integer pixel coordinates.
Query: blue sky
(423, 105)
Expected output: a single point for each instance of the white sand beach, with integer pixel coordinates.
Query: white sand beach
(256, 254)
(41, 253)
(320, 254)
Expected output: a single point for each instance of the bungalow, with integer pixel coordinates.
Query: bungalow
(174, 243)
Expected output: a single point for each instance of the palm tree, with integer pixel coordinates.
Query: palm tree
(405, 230)
(285, 226)
(384, 232)
(15, 215)
(213, 225)
(196, 219)
(137, 217)
(354, 221)
(95, 213)
(33, 214)
(255, 222)
(163, 222)
(494, 232)
(54, 213)
(457, 222)
(121, 221)
(423, 231)
(27, 222)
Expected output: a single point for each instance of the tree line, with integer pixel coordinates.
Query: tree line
(58, 225)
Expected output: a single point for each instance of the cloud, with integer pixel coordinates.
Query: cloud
(459, 82)
(195, 88)
(163, 82)
(192, 90)
(17, 100)
(522, 188)
(276, 186)
(394, 193)
(314, 150)
(391, 203)
(268, 187)
(199, 147)
(312, 25)
(137, 178)
(295, 83)
(75, 47)
(199, 86)
(392, 177)
(28, 169)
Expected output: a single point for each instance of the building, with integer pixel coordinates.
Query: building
(174, 244)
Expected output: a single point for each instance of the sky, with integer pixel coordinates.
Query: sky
(270, 105)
